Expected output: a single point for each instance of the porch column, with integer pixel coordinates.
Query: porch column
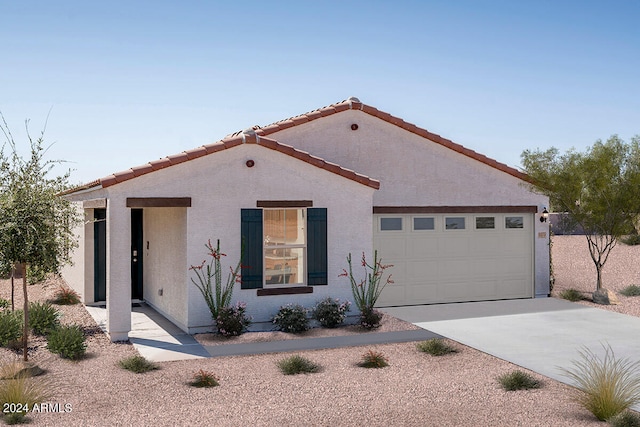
(118, 270)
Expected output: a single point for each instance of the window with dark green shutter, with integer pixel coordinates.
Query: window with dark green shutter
(317, 246)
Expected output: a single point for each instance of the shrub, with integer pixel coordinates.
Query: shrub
(631, 239)
(370, 318)
(43, 317)
(232, 321)
(292, 318)
(330, 312)
(607, 386)
(137, 364)
(373, 359)
(11, 323)
(631, 291)
(4, 303)
(297, 365)
(66, 296)
(518, 380)
(67, 341)
(571, 295)
(435, 347)
(625, 419)
(204, 378)
(22, 391)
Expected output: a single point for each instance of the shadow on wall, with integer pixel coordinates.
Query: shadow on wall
(561, 225)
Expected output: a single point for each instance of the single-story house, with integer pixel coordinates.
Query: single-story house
(302, 194)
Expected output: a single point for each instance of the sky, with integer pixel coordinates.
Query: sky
(121, 83)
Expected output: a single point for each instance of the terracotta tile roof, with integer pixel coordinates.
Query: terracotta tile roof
(258, 134)
(247, 137)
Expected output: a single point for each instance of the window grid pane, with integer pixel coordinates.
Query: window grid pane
(455, 223)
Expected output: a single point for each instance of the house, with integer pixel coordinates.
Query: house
(302, 194)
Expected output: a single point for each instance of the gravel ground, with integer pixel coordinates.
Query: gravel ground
(415, 390)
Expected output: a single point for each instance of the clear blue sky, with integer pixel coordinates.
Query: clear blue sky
(132, 81)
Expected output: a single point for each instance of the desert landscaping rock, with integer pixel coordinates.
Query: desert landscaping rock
(414, 390)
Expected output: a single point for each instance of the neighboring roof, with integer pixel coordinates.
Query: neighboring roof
(257, 135)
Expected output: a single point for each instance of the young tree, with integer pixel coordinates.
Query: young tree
(36, 226)
(599, 189)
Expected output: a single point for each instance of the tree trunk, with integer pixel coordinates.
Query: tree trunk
(599, 275)
(25, 332)
(13, 272)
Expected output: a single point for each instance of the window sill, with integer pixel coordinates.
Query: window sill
(285, 291)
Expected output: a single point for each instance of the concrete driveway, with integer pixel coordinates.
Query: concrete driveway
(540, 334)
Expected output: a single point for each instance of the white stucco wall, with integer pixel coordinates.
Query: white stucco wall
(220, 185)
(74, 274)
(414, 171)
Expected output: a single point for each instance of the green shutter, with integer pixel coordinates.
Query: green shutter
(251, 233)
(317, 246)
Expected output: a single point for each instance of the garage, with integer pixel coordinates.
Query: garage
(456, 257)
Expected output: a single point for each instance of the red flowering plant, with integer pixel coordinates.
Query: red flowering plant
(367, 291)
(209, 280)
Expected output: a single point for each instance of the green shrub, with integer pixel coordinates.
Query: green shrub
(4, 303)
(571, 295)
(370, 318)
(330, 312)
(518, 380)
(11, 325)
(631, 239)
(607, 386)
(292, 318)
(137, 364)
(67, 341)
(373, 359)
(297, 365)
(625, 419)
(66, 296)
(232, 321)
(435, 347)
(21, 391)
(43, 317)
(631, 291)
(204, 378)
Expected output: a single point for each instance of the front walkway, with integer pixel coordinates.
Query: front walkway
(159, 340)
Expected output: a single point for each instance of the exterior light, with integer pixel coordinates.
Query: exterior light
(545, 215)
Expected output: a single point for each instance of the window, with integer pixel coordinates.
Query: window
(454, 223)
(421, 223)
(485, 223)
(284, 247)
(390, 224)
(514, 222)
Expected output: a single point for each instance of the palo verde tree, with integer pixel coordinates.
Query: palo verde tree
(36, 225)
(598, 189)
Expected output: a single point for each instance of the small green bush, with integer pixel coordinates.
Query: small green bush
(4, 303)
(370, 318)
(66, 296)
(631, 291)
(373, 359)
(330, 312)
(625, 419)
(137, 364)
(67, 341)
(435, 347)
(232, 321)
(292, 318)
(631, 239)
(297, 365)
(43, 317)
(606, 386)
(518, 380)
(204, 378)
(571, 295)
(11, 323)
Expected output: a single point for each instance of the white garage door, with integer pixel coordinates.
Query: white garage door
(441, 258)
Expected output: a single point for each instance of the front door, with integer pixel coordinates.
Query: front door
(99, 255)
(137, 242)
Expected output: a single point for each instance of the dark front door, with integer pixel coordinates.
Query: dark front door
(137, 241)
(99, 255)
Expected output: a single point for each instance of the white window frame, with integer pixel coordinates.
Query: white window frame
(266, 247)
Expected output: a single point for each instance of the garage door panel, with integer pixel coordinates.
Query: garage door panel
(436, 265)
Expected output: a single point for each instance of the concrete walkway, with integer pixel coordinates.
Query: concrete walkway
(159, 340)
(543, 335)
